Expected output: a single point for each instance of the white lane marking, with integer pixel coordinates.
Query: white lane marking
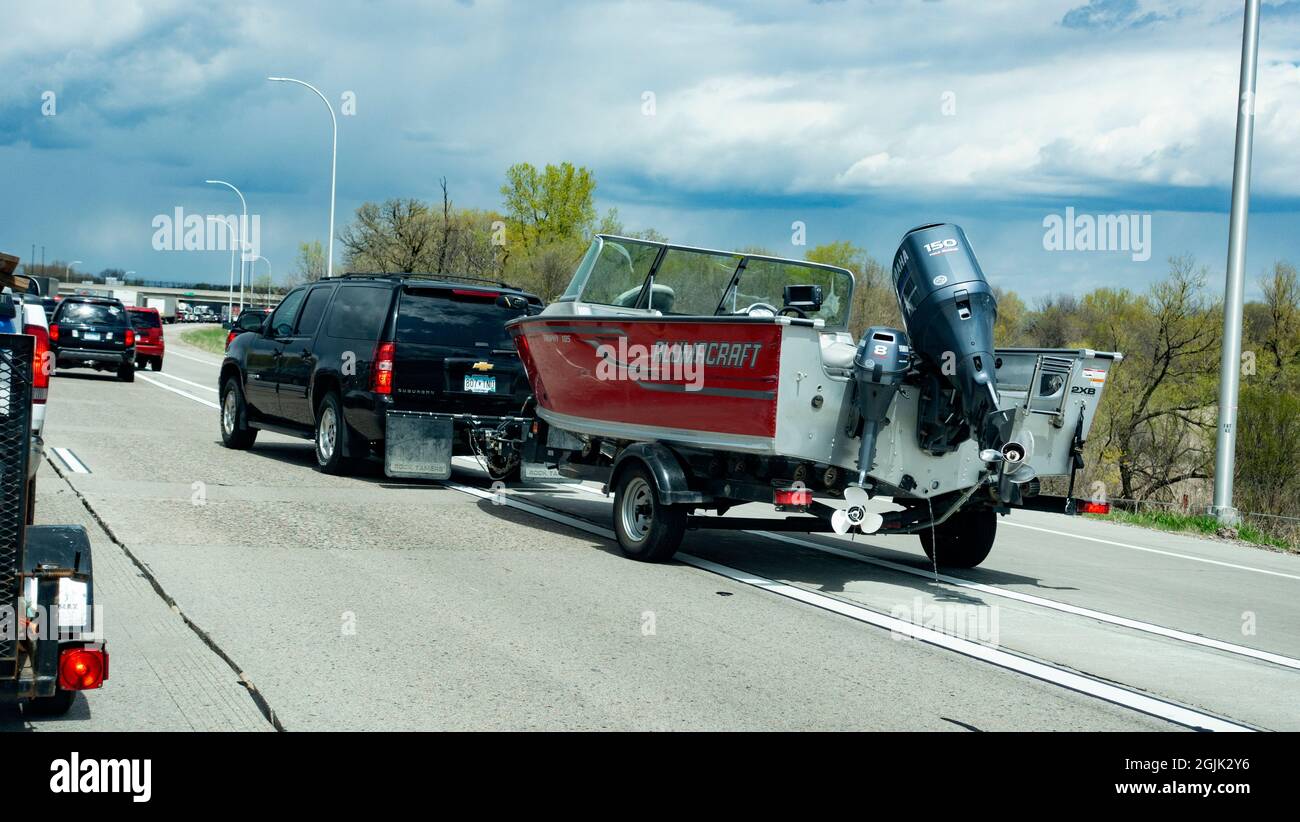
(187, 395)
(1100, 616)
(1154, 550)
(70, 461)
(174, 353)
(1106, 691)
(182, 379)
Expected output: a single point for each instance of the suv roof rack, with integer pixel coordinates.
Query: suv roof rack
(416, 275)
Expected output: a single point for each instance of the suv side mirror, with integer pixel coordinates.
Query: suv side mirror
(250, 322)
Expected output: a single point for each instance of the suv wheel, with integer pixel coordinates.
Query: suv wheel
(235, 432)
(331, 428)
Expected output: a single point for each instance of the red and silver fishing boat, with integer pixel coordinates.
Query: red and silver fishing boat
(718, 378)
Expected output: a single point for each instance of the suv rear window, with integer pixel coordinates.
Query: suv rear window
(442, 317)
(359, 312)
(93, 313)
(144, 319)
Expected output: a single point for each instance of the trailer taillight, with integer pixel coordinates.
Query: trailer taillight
(42, 363)
(1090, 507)
(381, 373)
(792, 497)
(81, 669)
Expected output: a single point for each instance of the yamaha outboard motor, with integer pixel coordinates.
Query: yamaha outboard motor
(949, 311)
(879, 367)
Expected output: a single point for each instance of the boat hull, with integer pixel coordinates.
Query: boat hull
(710, 383)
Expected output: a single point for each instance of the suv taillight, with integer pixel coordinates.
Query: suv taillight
(42, 363)
(381, 373)
(130, 337)
(54, 332)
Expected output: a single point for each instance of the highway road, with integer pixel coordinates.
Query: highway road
(245, 590)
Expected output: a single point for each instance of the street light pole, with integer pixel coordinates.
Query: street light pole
(334, 156)
(269, 275)
(67, 269)
(230, 294)
(1234, 288)
(243, 227)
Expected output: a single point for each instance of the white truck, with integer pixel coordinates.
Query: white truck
(166, 306)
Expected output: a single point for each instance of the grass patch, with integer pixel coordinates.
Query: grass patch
(212, 340)
(1188, 523)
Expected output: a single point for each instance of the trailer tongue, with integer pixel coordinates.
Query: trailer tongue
(671, 373)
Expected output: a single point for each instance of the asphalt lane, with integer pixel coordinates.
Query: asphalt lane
(363, 603)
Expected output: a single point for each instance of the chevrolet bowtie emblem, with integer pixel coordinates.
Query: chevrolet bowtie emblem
(482, 366)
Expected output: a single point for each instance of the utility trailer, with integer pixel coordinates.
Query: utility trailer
(50, 647)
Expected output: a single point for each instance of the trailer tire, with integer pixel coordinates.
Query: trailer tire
(647, 529)
(57, 705)
(964, 540)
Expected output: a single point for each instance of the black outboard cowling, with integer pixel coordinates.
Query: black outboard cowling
(949, 311)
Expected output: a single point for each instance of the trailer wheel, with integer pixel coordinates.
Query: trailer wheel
(647, 530)
(56, 705)
(963, 541)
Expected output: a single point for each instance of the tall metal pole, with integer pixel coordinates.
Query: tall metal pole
(230, 295)
(334, 157)
(1234, 290)
(243, 240)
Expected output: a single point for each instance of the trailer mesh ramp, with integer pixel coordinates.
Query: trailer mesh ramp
(16, 351)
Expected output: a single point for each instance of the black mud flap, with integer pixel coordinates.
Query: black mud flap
(417, 445)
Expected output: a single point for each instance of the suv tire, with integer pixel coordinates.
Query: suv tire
(235, 432)
(331, 428)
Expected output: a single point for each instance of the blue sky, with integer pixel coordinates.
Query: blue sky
(859, 118)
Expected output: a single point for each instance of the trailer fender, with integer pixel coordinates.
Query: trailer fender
(67, 547)
(670, 476)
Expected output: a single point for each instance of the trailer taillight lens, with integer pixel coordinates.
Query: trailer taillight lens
(81, 669)
(1089, 507)
(42, 363)
(381, 374)
(793, 497)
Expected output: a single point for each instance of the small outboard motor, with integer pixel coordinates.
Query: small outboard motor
(949, 311)
(879, 367)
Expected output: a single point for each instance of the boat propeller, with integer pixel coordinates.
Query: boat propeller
(855, 513)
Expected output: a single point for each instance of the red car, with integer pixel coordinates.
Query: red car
(148, 337)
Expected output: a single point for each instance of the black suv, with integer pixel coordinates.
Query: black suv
(93, 332)
(337, 357)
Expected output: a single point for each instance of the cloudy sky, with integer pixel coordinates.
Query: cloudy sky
(717, 123)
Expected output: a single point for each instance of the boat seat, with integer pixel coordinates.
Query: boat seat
(836, 353)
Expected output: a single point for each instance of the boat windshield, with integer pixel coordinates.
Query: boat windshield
(694, 282)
